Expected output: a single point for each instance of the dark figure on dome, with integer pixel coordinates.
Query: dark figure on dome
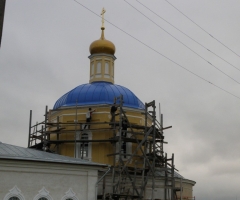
(89, 117)
(113, 111)
(124, 135)
(124, 124)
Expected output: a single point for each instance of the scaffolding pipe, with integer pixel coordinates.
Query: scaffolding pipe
(166, 178)
(30, 124)
(173, 182)
(154, 147)
(181, 189)
(58, 134)
(75, 144)
(45, 123)
(124, 181)
(96, 184)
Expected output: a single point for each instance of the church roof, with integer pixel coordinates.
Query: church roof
(162, 173)
(8, 151)
(98, 93)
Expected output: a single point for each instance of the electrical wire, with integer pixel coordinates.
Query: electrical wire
(187, 35)
(159, 52)
(203, 29)
(183, 43)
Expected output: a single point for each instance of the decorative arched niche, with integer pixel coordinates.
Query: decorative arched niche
(43, 194)
(70, 195)
(16, 193)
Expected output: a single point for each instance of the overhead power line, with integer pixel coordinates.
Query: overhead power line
(203, 79)
(187, 35)
(202, 29)
(182, 43)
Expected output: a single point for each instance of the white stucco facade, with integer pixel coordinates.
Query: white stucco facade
(28, 174)
(53, 181)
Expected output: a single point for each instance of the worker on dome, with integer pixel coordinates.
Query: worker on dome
(112, 112)
(89, 117)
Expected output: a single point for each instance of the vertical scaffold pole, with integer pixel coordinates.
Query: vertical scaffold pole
(166, 178)
(162, 150)
(30, 125)
(173, 181)
(120, 161)
(154, 146)
(58, 134)
(75, 137)
(45, 123)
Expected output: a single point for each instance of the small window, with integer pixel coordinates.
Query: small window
(99, 69)
(106, 68)
(125, 147)
(84, 149)
(14, 198)
(84, 146)
(42, 198)
(112, 71)
(92, 69)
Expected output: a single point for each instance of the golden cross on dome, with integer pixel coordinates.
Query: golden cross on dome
(102, 13)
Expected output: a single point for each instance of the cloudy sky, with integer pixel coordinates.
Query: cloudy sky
(190, 65)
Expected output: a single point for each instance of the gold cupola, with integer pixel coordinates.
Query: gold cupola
(102, 58)
(102, 45)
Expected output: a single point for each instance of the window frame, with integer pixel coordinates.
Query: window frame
(14, 192)
(88, 146)
(43, 193)
(97, 73)
(70, 195)
(13, 197)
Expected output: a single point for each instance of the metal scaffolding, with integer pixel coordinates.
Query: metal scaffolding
(129, 180)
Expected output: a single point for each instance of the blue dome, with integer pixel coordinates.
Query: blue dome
(98, 93)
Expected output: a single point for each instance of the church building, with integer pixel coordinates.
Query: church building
(104, 135)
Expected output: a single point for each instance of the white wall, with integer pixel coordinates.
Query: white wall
(30, 177)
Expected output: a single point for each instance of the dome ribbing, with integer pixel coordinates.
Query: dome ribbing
(97, 93)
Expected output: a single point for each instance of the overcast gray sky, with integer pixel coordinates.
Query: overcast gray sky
(44, 54)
